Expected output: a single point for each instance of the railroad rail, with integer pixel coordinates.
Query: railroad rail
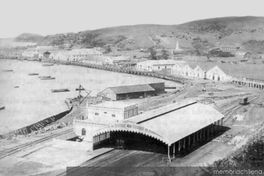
(96, 164)
(228, 113)
(8, 152)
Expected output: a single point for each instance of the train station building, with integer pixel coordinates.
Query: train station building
(175, 127)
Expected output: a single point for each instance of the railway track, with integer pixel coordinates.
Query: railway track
(97, 162)
(229, 112)
(18, 148)
(114, 159)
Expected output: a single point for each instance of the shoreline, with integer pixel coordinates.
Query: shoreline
(112, 68)
(25, 129)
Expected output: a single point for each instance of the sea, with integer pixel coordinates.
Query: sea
(28, 99)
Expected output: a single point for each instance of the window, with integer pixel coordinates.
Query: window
(96, 113)
(113, 115)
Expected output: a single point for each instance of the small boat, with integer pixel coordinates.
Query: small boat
(8, 70)
(16, 87)
(46, 77)
(47, 64)
(2, 107)
(33, 74)
(59, 90)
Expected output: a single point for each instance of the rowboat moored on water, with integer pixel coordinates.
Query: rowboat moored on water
(59, 90)
(33, 74)
(7, 70)
(46, 77)
(47, 64)
(2, 107)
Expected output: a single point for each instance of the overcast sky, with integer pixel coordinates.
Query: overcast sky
(59, 16)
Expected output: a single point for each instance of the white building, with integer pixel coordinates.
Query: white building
(38, 51)
(157, 65)
(116, 60)
(199, 72)
(61, 56)
(76, 55)
(112, 111)
(216, 74)
(240, 54)
(32, 53)
(82, 54)
(182, 69)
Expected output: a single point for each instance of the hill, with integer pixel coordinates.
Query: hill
(201, 34)
(28, 37)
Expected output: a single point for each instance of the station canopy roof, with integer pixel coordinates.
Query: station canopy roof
(180, 122)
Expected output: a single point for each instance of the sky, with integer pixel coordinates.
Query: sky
(60, 16)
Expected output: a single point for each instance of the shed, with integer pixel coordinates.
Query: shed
(128, 92)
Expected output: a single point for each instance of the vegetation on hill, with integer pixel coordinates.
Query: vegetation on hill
(251, 157)
(244, 32)
(256, 46)
(27, 37)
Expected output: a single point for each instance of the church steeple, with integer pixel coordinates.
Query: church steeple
(177, 46)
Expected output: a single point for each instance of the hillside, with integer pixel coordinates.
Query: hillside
(28, 37)
(202, 34)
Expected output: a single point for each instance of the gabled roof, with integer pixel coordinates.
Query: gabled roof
(198, 69)
(216, 69)
(131, 88)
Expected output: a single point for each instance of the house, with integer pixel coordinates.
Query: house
(60, 56)
(240, 54)
(77, 55)
(116, 60)
(158, 65)
(132, 91)
(32, 54)
(216, 74)
(198, 72)
(182, 69)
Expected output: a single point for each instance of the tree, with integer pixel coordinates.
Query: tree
(201, 46)
(164, 54)
(153, 53)
(108, 49)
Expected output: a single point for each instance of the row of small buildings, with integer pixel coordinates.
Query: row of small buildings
(181, 68)
(96, 56)
(83, 55)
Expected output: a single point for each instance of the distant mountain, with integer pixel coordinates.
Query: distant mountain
(195, 35)
(28, 37)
